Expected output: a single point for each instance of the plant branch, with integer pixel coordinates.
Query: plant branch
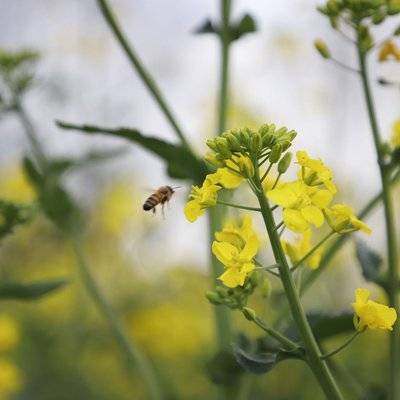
(140, 69)
(238, 206)
(340, 348)
(135, 358)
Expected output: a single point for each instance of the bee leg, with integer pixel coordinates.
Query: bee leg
(154, 211)
(162, 211)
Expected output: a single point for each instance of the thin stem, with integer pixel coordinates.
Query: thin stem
(392, 277)
(344, 66)
(319, 244)
(225, 203)
(268, 269)
(340, 348)
(140, 69)
(289, 344)
(224, 76)
(135, 358)
(276, 181)
(318, 366)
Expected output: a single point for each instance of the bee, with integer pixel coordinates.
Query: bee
(161, 196)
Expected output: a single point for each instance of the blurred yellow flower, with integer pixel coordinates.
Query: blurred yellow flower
(15, 186)
(341, 219)
(296, 251)
(235, 247)
(396, 134)
(388, 50)
(10, 378)
(370, 314)
(9, 333)
(314, 172)
(301, 204)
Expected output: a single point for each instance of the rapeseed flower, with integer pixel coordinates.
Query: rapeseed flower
(302, 204)
(388, 50)
(297, 250)
(372, 315)
(341, 219)
(235, 247)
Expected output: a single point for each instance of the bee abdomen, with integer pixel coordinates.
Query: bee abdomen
(151, 202)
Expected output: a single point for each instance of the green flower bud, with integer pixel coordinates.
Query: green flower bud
(332, 7)
(213, 159)
(275, 154)
(254, 279)
(221, 291)
(211, 144)
(213, 298)
(284, 163)
(322, 48)
(233, 142)
(378, 17)
(223, 147)
(281, 132)
(249, 313)
(256, 143)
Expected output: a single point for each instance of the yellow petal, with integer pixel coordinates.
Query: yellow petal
(283, 196)
(321, 198)
(233, 277)
(193, 210)
(294, 220)
(313, 215)
(225, 252)
(228, 179)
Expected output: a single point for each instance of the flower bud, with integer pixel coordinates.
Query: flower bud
(223, 148)
(211, 144)
(213, 298)
(233, 142)
(256, 143)
(266, 288)
(249, 313)
(213, 159)
(322, 48)
(246, 166)
(275, 154)
(284, 163)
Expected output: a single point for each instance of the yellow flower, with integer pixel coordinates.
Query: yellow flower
(389, 49)
(396, 134)
(370, 314)
(242, 164)
(235, 247)
(300, 248)
(9, 333)
(10, 378)
(314, 172)
(341, 219)
(302, 204)
(206, 196)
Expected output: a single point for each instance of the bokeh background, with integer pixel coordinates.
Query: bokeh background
(155, 270)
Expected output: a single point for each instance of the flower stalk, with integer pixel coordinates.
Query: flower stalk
(313, 354)
(393, 275)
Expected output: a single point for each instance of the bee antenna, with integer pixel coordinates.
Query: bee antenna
(176, 187)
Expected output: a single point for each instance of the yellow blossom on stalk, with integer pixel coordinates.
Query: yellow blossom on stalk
(387, 50)
(206, 196)
(370, 314)
(242, 164)
(235, 247)
(296, 251)
(396, 134)
(341, 219)
(314, 172)
(301, 204)
(10, 378)
(9, 333)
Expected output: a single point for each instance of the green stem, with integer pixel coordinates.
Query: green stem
(340, 348)
(392, 277)
(289, 344)
(318, 366)
(320, 243)
(135, 358)
(140, 69)
(238, 206)
(225, 45)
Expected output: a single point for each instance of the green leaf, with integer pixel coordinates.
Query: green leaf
(12, 215)
(207, 27)
(325, 326)
(180, 162)
(370, 262)
(252, 357)
(29, 291)
(223, 369)
(244, 26)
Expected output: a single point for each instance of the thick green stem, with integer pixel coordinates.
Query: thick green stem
(225, 45)
(135, 358)
(318, 366)
(140, 69)
(393, 276)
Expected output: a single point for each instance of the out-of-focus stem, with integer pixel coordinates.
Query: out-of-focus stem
(140, 69)
(135, 358)
(393, 276)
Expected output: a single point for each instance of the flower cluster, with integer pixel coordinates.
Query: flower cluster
(372, 315)
(306, 201)
(235, 247)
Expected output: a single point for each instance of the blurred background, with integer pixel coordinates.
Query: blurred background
(153, 269)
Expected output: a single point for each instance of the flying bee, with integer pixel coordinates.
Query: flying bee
(161, 196)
